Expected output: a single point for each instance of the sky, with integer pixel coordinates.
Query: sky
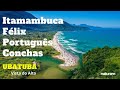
(95, 18)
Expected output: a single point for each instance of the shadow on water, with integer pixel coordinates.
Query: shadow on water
(80, 59)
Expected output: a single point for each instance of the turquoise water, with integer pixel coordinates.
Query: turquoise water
(79, 42)
(47, 58)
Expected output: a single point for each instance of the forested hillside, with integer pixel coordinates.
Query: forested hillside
(97, 61)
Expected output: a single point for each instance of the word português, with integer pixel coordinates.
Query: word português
(42, 20)
(31, 43)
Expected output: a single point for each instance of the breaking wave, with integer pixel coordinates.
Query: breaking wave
(73, 39)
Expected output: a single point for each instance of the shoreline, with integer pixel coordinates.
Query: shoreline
(68, 58)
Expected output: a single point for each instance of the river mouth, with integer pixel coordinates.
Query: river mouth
(47, 58)
(49, 69)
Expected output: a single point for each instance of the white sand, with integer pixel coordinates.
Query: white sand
(68, 58)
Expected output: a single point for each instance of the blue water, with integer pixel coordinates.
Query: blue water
(79, 42)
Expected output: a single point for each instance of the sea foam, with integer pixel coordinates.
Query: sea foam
(74, 49)
(73, 39)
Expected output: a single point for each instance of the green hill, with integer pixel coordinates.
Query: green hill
(36, 27)
(97, 61)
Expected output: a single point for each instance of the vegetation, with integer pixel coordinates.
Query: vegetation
(50, 69)
(47, 50)
(97, 61)
(54, 73)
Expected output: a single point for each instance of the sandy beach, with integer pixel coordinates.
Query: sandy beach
(68, 58)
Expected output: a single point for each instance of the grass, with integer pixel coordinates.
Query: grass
(49, 70)
(54, 73)
(6, 58)
(50, 73)
(37, 76)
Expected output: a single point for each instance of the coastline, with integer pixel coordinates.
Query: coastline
(68, 58)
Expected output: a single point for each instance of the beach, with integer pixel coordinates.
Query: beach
(68, 58)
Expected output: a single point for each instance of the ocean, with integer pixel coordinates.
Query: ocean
(79, 42)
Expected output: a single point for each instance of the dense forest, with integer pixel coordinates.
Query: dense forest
(47, 50)
(97, 61)
(94, 62)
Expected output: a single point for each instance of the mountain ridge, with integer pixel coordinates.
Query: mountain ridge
(90, 26)
(39, 27)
